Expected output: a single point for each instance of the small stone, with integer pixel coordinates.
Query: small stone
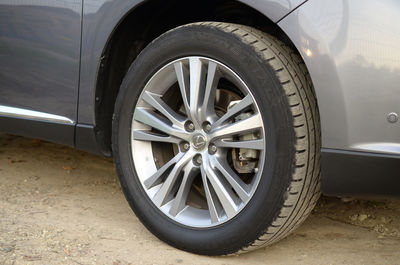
(362, 217)
(347, 199)
(6, 249)
(353, 217)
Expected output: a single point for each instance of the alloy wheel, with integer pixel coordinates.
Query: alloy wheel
(198, 142)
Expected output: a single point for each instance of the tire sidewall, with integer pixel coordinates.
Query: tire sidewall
(261, 79)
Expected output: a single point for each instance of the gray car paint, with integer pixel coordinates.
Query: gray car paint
(39, 55)
(100, 18)
(351, 49)
(274, 9)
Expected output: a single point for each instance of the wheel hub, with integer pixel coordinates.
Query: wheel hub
(199, 141)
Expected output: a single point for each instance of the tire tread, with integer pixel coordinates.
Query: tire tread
(304, 190)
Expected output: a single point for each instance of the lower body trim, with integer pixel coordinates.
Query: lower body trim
(359, 173)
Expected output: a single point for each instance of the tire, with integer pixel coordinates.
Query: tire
(281, 176)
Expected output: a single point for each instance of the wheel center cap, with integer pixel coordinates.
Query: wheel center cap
(199, 141)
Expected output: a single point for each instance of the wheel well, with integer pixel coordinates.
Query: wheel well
(145, 23)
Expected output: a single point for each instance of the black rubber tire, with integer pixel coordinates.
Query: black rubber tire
(279, 81)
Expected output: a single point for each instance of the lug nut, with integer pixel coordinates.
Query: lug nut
(197, 160)
(212, 149)
(189, 126)
(207, 127)
(185, 146)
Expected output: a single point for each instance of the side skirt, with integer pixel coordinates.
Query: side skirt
(61, 133)
(359, 173)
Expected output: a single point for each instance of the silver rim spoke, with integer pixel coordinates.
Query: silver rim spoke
(161, 196)
(207, 108)
(211, 198)
(155, 101)
(237, 184)
(179, 202)
(224, 194)
(196, 87)
(241, 127)
(244, 103)
(151, 137)
(154, 179)
(146, 117)
(248, 144)
(183, 81)
(180, 147)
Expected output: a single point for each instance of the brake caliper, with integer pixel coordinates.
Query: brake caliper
(244, 160)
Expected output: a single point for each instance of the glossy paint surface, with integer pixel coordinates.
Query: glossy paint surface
(351, 48)
(273, 9)
(39, 55)
(100, 17)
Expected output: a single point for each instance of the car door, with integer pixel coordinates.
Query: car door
(39, 61)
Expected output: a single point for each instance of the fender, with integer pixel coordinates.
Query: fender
(101, 18)
(353, 59)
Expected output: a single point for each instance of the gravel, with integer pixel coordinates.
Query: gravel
(63, 206)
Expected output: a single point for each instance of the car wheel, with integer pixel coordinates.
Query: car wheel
(216, 138)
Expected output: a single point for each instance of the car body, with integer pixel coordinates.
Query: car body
(349, 48)
(62, 62)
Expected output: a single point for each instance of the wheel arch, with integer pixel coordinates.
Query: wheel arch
(115, 32)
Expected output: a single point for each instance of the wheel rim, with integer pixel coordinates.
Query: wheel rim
(198, 142)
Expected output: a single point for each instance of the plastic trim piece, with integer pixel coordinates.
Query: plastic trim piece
(359, 173)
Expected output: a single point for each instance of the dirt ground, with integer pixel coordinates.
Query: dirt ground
(63, 206)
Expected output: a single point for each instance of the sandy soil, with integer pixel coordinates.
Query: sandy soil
(63, 206)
